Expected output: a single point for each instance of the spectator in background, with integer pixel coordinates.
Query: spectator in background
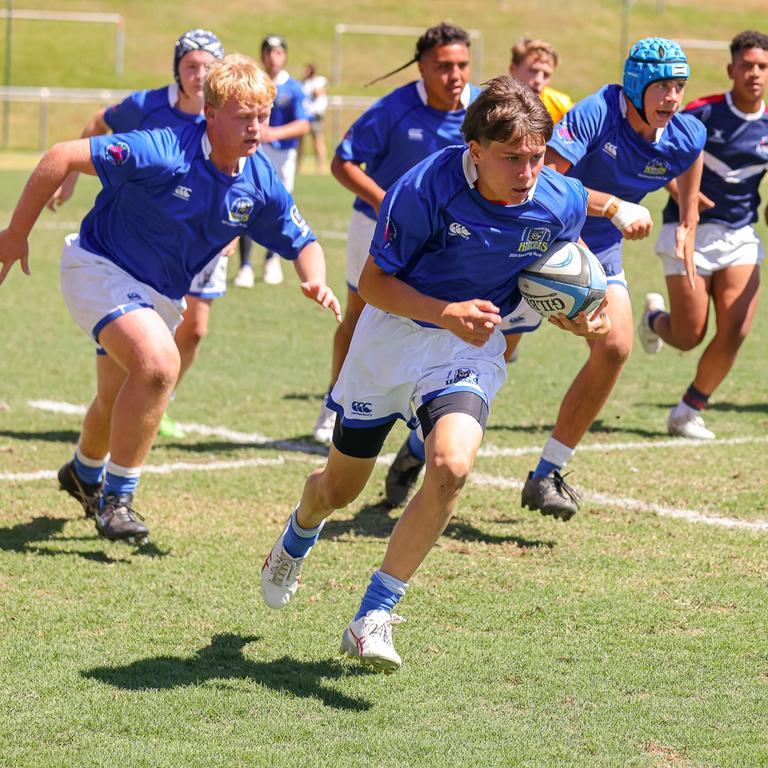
(315, 89)
(288, 122)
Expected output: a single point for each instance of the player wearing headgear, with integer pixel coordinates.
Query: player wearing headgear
(388, 139)
(727, 251)
(622, 143)
(533, 63)
(171, 198)
(288, 122)
(176, 105)
(442, 271)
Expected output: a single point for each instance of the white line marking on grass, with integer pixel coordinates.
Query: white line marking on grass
(55, 406)
(634, 505)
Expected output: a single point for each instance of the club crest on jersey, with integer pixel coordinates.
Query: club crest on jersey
(240, 210)
(117, 153)
(390, 232)
(534, 239)
(564, 132)
(298, 220)
(657, 168)
(462, 376)
(458, 230)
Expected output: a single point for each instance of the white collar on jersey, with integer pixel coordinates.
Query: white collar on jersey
(282, 77)
(623, 108)
(173, 95)
(205, 143)
(466, 94)
(749, 116)
(470, 174)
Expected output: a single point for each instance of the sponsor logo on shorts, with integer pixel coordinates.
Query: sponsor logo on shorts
(564, 132)
(133, 296)
(657, 168)
(463, 376)
(610, 149)
(458, 230)
(240, 210)
(183, 193)
(416, 134)
(117, 153)
(362, 409)
(298, 220)
(534, 239)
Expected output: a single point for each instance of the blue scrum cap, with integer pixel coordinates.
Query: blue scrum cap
(650, 60)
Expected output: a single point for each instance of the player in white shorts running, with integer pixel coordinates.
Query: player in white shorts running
(727, 250)
(171, 198)
(454, 233)
(175, 105)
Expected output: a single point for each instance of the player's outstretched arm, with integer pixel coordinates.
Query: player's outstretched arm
(688, 184)
(95, 127)
(589, 326)
(472, 321)
(310, 267)
(355, 179)
(293, 130)
(59, 161)
(632, 219)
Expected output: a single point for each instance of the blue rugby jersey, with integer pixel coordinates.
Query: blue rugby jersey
(399, 131)
(165, 210)
(149, 109)
(439, 235)
(289, 106)
(735, 161)
(608, 155)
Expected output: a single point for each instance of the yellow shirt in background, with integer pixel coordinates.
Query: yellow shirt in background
(556, 102)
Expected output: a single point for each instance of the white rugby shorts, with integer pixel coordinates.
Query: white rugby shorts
(394, 366)
(284, 161)
(359, 237)
(211, 281)
(96, 291)
(717, 247)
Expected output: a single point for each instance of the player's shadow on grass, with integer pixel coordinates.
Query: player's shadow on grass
(725, 407)
(26, 538)
(58, 436)
(376, 520)
(223, 660)
(599, 426)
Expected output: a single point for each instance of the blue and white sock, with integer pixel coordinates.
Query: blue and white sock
(120, 480)
(416, 444)
(298, 540)
(554, 457)
(88, 470)
(383, 594)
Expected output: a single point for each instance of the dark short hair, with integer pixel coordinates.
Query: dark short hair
(506, 110)
(441, 34)
(748, 39)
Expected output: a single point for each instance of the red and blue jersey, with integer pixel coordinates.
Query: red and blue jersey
(608, 155)
(144, 110)
(735, 160)
(165, 210)
(399, 131)
(439, 235)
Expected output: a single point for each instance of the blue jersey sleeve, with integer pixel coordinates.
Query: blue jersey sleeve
(299, 102)
(406, 224)
(576, 213)
(580, 127)
(127, 115)
(280, 227)
(134, 156)
(368, 136)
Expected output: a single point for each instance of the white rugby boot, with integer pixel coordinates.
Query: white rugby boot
(273, 271)
(244, 277)
(326, 421)
(280, 575)
(369, 639)
(652, 344)
(687, 422)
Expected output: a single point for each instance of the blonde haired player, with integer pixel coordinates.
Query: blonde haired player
(171, 199)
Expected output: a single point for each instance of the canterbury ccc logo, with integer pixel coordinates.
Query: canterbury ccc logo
(458, 230)
(361, 408)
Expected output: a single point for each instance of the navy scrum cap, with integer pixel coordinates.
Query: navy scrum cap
(273, 41)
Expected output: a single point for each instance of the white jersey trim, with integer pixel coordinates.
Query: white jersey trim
(749, 116)
(466, 94)
(173, 95)
(470, 174)
(205, 143)
(282, 77)
(728, 174)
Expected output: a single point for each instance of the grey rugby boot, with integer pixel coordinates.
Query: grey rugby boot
(86, 493)
(402, 476)
(551, 495)
(118, 521)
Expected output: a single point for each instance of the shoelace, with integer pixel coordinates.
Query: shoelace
(125, 511)
(383, 629)
(284, 568)
(566, 489)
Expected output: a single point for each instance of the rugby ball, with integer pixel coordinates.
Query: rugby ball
(567, 279)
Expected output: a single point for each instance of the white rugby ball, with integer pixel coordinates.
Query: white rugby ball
(567, 279)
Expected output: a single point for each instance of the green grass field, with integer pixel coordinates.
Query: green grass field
(632, 636)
